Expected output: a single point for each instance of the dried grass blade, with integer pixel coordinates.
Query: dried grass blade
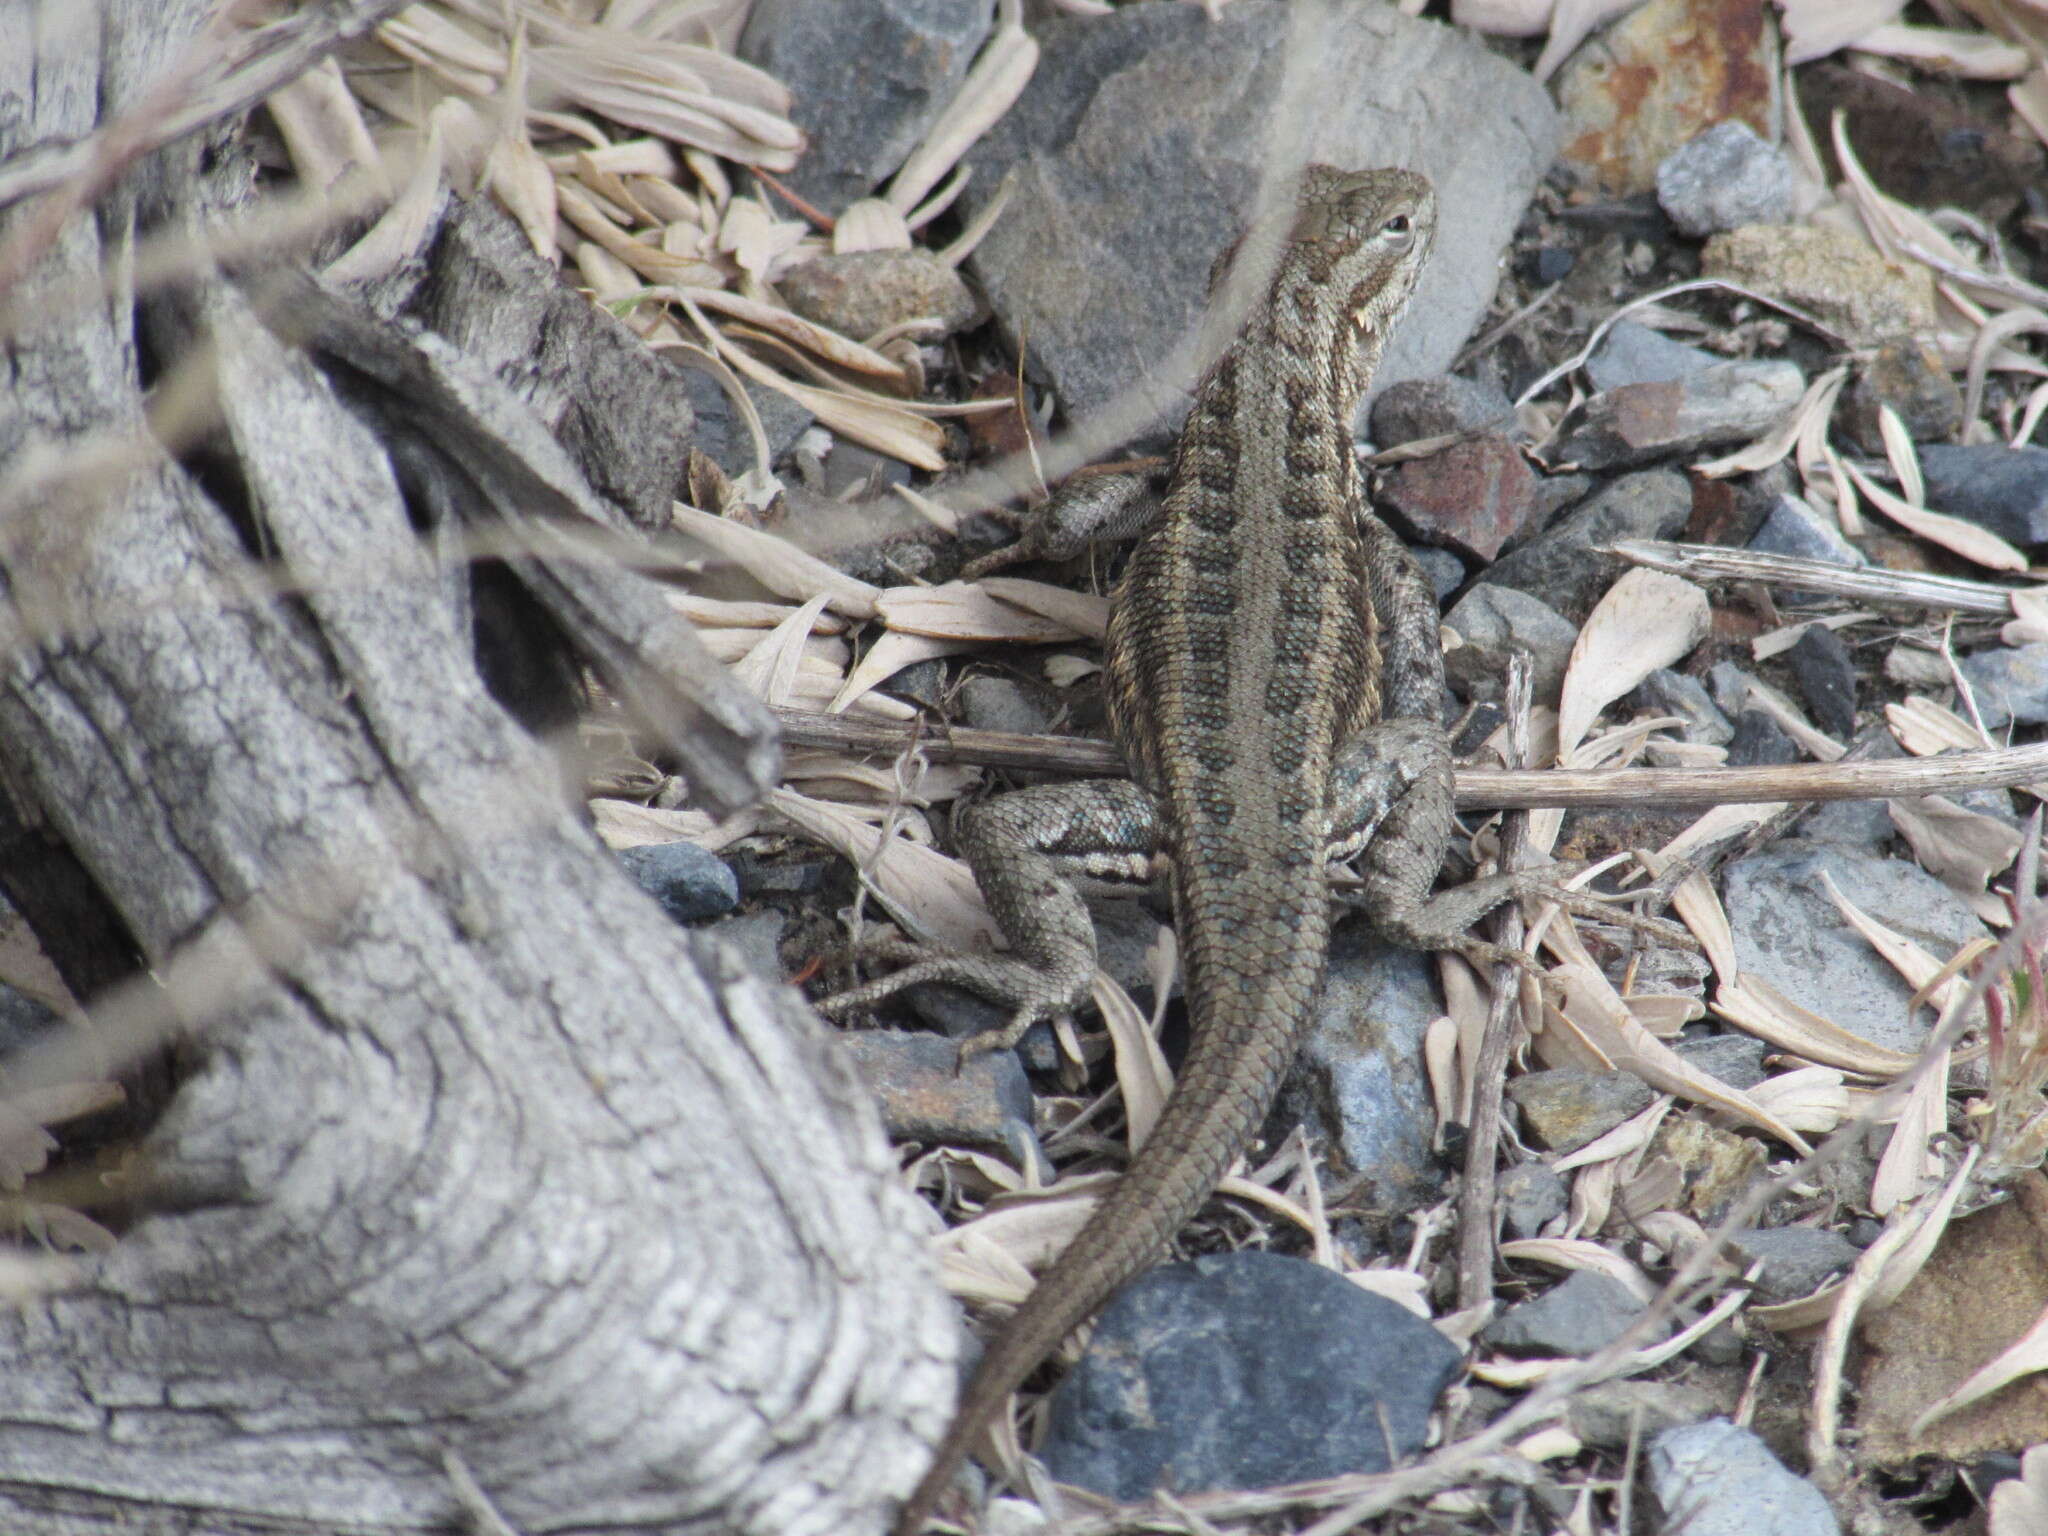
(1815, 406)
(829, 345)
(1756, 1007)
(1992, 335)
(1951, 533)
(776, 563)
(932, 895)
(968, 611)
(1577, 1254)
(1910, 1164)
(991, 88)
(1141, 1070)
(888, 656)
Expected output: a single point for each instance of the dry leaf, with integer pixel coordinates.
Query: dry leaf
(322, 127)
(1809, 1099)
(1910, 1164)
(2019, 1506)
(769, 669)
(1756, 1007)
(1648, 619)
(1806, 420)
(1503, 18)
(934, 896)
(396, 237)
(1946, 51)
(1597, 1014)
(972, 612)
(1962, 848)
(885, 658)
(776, 563)
(1000, 73)
(1951, 533)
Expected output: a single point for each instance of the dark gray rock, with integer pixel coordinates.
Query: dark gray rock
(1640, 423)
(928, 1094)
(1144, 141)
(785, 872)
(1494, 622)
(1439, 404)
(1759, 741)
(1907, 374)
(1583, 1313)
(868, 78)
(758, 938)
(2010, 683)
(689, 882)
(1722, 1344)
(724, 437)
(992, 703)
(1446, 572)
(1826, 675)
(1637, 354)
(23, 1020)
(1560, 565)
(1788, 931)
(1996, 487)
(1729, 685)
(1243, 1370)
(1366, 1093)
(1564, 1108)
(1713, 1479)
(1737, 1060)
(1530, 1194)
(1864, 825)
(1796, 1261)
(1724, 178)
(1673, 693)
(1794, 528)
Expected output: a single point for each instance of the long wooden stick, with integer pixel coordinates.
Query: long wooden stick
(1478, 788)
(1860, 583)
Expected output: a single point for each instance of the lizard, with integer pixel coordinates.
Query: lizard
(1274, 678)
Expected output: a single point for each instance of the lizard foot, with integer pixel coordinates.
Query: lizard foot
(1031, 994)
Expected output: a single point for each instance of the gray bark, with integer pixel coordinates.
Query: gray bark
(472, 1151)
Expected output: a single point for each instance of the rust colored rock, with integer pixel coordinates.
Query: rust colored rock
(1646, 85)
(1474, 496)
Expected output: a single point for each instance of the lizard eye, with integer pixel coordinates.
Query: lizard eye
(1399, 226)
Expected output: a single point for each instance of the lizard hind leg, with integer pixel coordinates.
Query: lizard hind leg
(1027, 849)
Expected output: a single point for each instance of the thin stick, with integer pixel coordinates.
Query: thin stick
(1483, 788)
(1863, 583)
(1477, 1219)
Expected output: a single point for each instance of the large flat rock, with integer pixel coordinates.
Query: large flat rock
(1148, 140)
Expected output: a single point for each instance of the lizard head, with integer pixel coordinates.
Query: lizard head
(1368, 233)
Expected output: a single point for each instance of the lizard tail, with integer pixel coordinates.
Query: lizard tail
(1253, 983)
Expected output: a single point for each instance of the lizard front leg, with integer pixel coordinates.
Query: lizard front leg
(1086, 509)
(1027, 849)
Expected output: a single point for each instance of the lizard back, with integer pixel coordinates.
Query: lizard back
(1242, 652)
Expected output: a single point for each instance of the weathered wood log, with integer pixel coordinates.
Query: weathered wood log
(476, 1166)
